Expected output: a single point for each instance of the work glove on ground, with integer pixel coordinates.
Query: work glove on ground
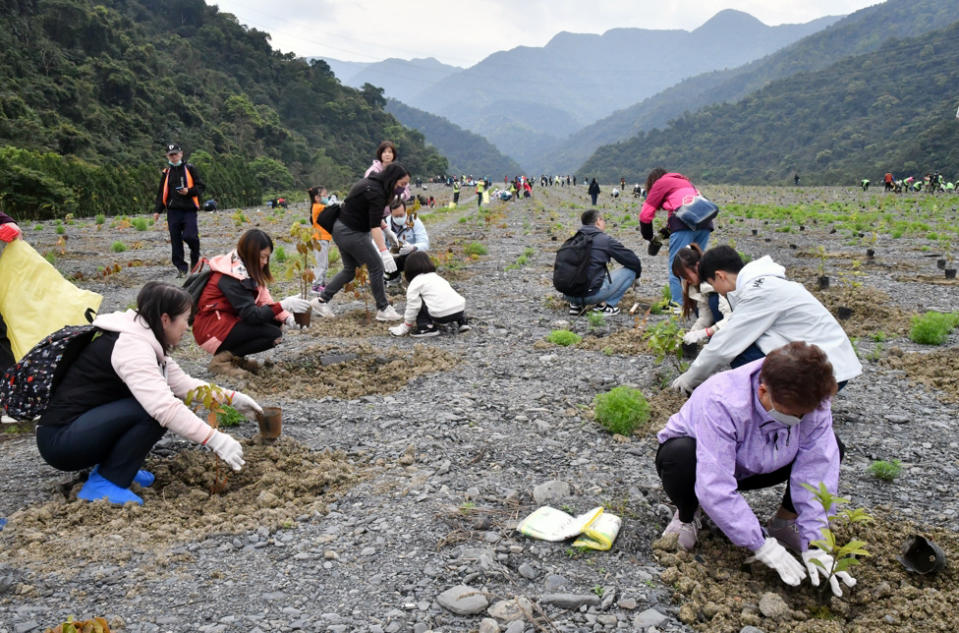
(778, 558)
(295, 303)
(9, 231)
(227, 449)
(695, 336)
(815, 571)
(407, 248)
(245, 404)
(682, 384)
(389, 264)
(400, 330)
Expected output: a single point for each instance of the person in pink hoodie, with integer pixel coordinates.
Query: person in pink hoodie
(121, 395)
(669, 191)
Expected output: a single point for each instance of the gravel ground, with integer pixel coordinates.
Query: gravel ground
(444, 463)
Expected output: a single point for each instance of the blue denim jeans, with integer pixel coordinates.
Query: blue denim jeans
(612, 290)
(677, 240)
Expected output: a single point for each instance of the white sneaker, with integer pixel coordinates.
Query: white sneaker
(388, 314)
(321, 308)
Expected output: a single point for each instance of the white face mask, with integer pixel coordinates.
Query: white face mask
(399, 220)
(784, 418)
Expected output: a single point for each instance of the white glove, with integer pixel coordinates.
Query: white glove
(399, 330)
(695, 336)
(815, 571)
(227, 448)
(407, 248)
(295, 303)
(245, 404)
(775, 556)
(389, 264)
(681, 384)
(290, 321)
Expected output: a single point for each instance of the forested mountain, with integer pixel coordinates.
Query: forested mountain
(526, 100)
(467, 153)
(889, 110)
(400, 79)
(857, 33)
(105, 83)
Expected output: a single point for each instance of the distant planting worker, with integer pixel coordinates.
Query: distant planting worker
(480, 188)
(179, 195)
(318, 202)
(456, 191)
(593, 191)
(768, 311)
(604, 290)
(864, 183)
(757, 426)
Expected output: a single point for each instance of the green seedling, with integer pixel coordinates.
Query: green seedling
(38, 227)
(118, 247)
(60, 228)
(598, 590)
(279, 255)
(621, 410)
(100, 219)
(932, 328)
(228, 416)
(665, 339)
(596, 320)
(845, 555)
(564, 338)
(140, 224)
(887, 471)
(474, 250)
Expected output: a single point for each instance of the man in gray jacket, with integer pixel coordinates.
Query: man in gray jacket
(768, 312)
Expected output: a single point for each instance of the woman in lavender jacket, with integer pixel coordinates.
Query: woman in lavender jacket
(756, 426)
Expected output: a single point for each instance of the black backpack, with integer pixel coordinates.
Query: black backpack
(28, 385)
(196, 282)
(571, 265)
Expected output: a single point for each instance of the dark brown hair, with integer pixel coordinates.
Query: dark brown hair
(417, 263)
(687, 258)
(157, 298)
(653, 176)
(383, 146)
(313, 192)
(248, 249)
(798, 375)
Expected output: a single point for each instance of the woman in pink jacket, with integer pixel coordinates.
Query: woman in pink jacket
(669, 191)
(123, 392)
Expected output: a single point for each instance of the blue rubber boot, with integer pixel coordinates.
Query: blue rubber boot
(144, 478)
(99, 488)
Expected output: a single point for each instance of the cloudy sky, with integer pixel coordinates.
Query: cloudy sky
(463, 33)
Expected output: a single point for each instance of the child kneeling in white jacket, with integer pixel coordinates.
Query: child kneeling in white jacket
(429, 300)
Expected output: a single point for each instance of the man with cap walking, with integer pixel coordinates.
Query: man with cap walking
(179, 195)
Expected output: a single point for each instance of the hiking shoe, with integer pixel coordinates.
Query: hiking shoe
(576, 309)
(786, 532)
(99, 488)
(464, 327)
(316, 289)
(687, 532)
(606, 309)
(322, 308)
(388, 314)
(424, 332)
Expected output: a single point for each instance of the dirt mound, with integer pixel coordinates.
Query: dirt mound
(663, 405)
(348, 371)
(938, 370)
(721, 593)
(864, 311)
(279, 482)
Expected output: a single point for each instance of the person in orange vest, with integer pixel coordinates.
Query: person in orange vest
(179, 195)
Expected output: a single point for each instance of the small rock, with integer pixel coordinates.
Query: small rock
(627, 603)
(488, 625)
(750, 629)
(267, 499)
(516, 626)
(511, 610)
(25, 627)
(570, 601)
(772, 606)
(648, 618)
(551, 492)
(609, 594)
(526, 571)
(554, 582)
(607, 619)
(463, 600)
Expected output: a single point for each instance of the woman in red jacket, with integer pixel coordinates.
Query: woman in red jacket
(236, 315)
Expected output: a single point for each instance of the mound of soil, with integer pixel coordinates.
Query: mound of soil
(721, 593)
(871, 310)
(279, 482)
(938, 370)
(349, 372)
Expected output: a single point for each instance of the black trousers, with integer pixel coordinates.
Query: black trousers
(246, 339)
(6, 349)
(183, 228)
(117, 436)
(425, 320)
(676, 466)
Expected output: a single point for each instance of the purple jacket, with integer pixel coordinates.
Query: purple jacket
(736, 438)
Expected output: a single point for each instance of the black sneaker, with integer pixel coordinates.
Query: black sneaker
(424, 332)
(465, 327)
(576, 309)
(607, 309)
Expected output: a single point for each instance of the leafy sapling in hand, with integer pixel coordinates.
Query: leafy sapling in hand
(827, 558)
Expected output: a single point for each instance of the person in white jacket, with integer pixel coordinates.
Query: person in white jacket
(768, 312)
(710, 307)
(123, 392)
(429, 300)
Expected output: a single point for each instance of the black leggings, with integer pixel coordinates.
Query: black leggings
(676, 466)
(425, 320)
(6, 349)
(246, 339)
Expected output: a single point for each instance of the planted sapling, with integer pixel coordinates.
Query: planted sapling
(564, 338)
(887, 471)
(621, 409)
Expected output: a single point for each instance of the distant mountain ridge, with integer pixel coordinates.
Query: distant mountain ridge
(400, 79)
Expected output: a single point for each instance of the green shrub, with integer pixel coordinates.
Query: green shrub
(596, 319)
(228, 416)
(475, 249)
(101, 218)
(61, 229)
(37, 227)
(932, 328)
(140, 224)
(279, 255)
(564, 337)
(118, 247)
(621, 410)
(887, 471)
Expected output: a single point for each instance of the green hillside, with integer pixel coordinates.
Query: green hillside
(861, 32)
(91, 91)
(890, 110)
(468, 153)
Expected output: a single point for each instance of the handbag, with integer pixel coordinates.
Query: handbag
(327, 217)
(696, 212)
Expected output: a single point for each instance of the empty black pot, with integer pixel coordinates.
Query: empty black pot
(843, 313)
(941, 264)
(950, 273)
(922, 556)
(823, 282)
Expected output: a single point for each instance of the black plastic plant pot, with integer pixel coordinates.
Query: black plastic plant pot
(823, 282)
(922, 556)
(690, 350)
(950, 273)
(794, 246)
(843, 313)
(941, 264)
(755, 232)
(870, 253)
(802, 228)
(654, 246)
